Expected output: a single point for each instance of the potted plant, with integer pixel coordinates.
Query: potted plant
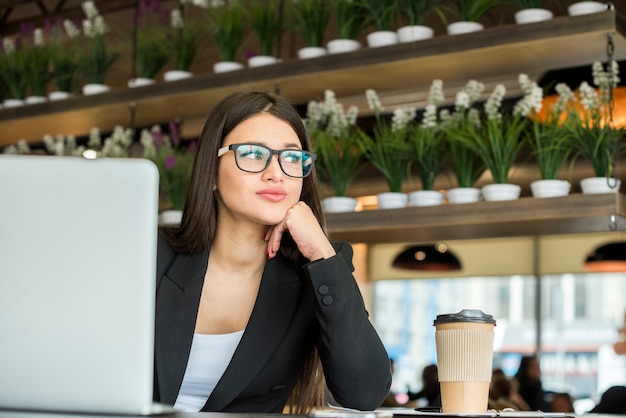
(184, 45)
(65, 59)
(174, 161)
(227, 26)
(531, 11)
(590, 132)
(37, 55)
(13, 72)
(266, 22)
(546, 137)
(469, 13)
(498, 140)
(382, 14)
(96, 60)
(388, 149)
(583, 7)
(415, 12)
(153, 48)
(350, 19)
(467, 165)
(339, 158)
(309, 21)
(426, 139)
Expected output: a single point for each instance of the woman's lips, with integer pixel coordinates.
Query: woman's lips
(274, 195)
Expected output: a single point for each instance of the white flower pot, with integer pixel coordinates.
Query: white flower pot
(59, 95)
(170, 217)
(340, 46)
(95, 88)
(600, 185)
(462, 195)
(140, 82)
(336, 204)
(261, 60)
(392, 200)
(532, 15)
(381, 38)
(175, 75)
(35, 99)
(13, 103)
(412, 33)
(500, 192)
(457, 28)
(227, 66)
(311, 52)
(550, 188)
(426, 198)
(585, 7)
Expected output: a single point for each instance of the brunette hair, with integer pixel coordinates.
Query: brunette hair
(199, 223)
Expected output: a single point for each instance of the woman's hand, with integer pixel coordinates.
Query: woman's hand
(305, 231)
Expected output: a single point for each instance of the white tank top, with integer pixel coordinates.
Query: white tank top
(209, 357)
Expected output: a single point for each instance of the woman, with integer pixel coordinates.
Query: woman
(251, 295)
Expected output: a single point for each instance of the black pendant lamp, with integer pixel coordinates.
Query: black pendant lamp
(609, 257)
(433, 257)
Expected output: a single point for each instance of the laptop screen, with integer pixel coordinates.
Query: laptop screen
(77, 283)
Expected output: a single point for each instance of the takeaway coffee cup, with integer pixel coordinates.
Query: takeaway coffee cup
(464, 358)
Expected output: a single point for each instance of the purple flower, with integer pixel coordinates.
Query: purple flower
(193, 145)
(170, 162)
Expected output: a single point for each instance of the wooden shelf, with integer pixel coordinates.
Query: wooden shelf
(498, 53)
(577, 213)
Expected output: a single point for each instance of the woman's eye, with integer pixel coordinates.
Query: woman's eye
(253, 155)
(292, 157)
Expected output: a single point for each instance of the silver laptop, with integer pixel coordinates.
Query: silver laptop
(77, 284)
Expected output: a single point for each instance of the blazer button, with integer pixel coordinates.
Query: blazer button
(323, 290)
(327, 300)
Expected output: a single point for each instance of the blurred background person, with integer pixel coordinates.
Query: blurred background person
(530, 388)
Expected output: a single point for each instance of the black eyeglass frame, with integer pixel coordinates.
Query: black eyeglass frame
(273, 152)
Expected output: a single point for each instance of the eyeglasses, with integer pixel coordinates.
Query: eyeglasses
(254, 158)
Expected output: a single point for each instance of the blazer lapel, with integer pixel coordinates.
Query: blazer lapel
(274, 308)
(178, 298)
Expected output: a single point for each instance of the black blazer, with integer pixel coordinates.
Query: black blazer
(320, 305)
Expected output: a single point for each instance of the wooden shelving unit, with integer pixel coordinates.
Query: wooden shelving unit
(497, 53)
(577, 213)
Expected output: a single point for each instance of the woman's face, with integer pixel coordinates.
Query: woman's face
(264, 197)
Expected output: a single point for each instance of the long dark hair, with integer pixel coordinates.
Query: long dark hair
(199, 223)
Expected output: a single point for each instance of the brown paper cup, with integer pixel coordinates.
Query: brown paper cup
(464, 358)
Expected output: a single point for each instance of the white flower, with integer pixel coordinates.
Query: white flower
(588, 96)
(605, 80)
(147, 140)
(372, 101)
(429, 119)
(566, 95)
(38, 38)
(462, 101)
(176, 19)
(401, 117)
(8, 45)
(492, 106)
(352, 115)
(330, 115)
(474, 89)
(533, 97)
(435, 95)
(90, 10)
(117, 144)
(99, 25)
(21, 147)
(70, 29)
